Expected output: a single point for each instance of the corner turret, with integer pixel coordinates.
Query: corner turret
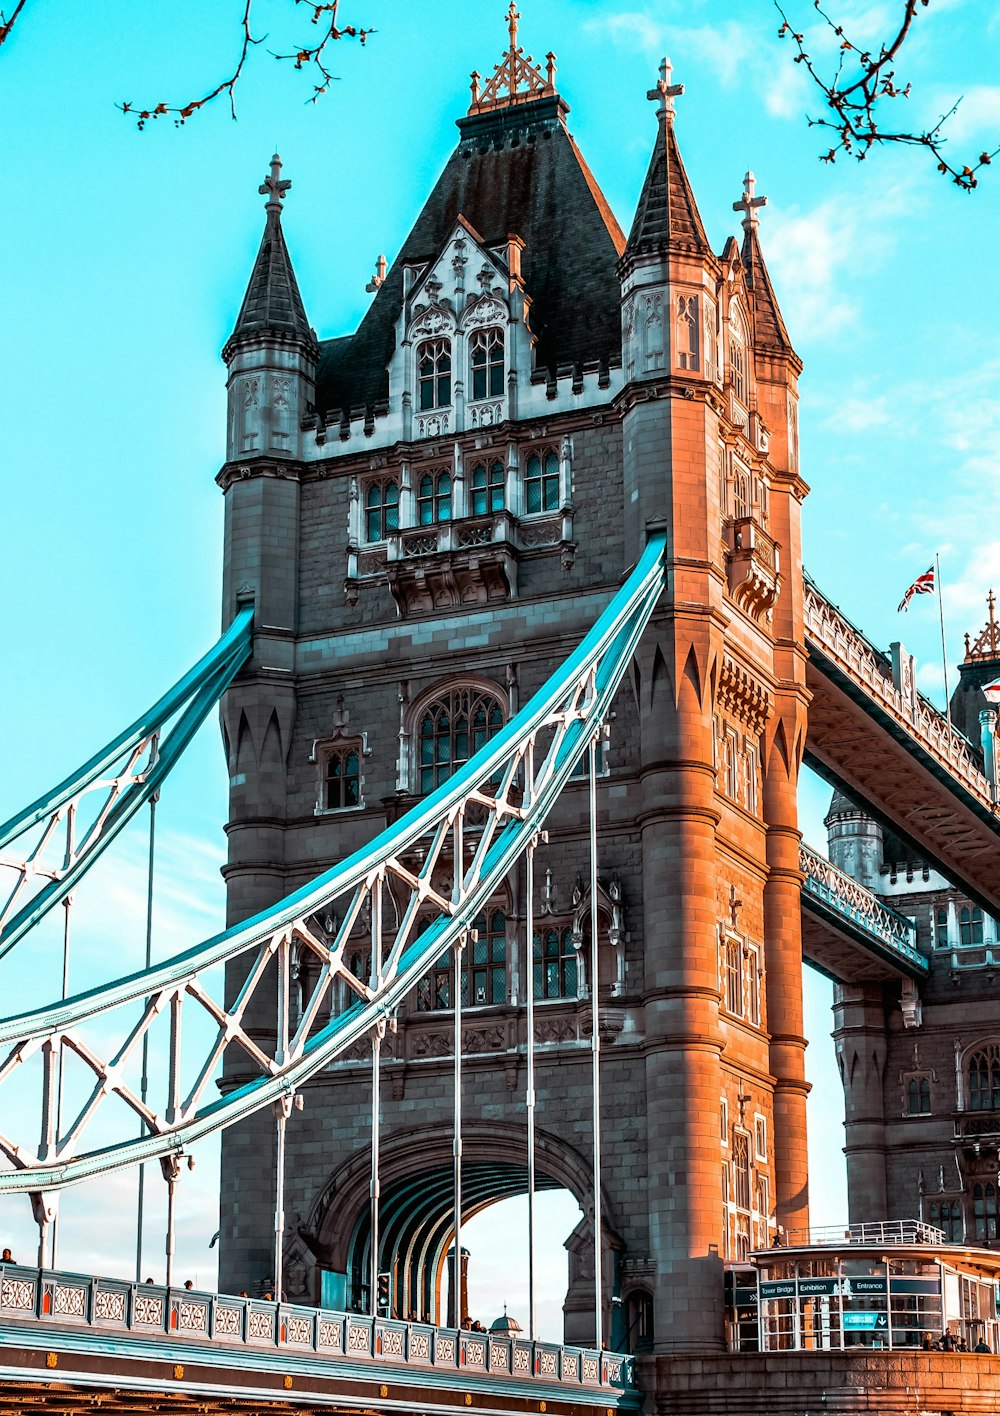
(272, 353)
(668, 268)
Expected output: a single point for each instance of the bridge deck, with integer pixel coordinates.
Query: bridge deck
(848, 933)
(872, 733)
(86, 1333)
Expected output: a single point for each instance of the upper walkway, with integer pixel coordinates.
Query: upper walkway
(873, 733)
(847, 931)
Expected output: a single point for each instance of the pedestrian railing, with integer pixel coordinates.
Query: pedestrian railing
(173, 1315)
(883, 1231)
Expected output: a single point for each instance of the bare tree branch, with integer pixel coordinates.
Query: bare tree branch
(862, 81)
(303, 56)
(7, 25)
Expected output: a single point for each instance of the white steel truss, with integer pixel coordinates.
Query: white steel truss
(442, 862)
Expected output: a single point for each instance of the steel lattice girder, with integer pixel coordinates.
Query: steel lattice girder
(511, 785)
(130, 770)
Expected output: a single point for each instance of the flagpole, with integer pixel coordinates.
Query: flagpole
(944, 647)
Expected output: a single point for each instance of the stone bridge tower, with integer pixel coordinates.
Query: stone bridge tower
(429, 513)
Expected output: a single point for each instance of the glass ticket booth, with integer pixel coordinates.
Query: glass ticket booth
(903, 1289)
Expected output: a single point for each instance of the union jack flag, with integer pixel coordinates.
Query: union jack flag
(923, 585)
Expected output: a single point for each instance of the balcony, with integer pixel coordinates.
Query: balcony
(472, 561)
(752, 566)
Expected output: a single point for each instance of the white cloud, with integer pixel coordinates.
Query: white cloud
(858, 415)
(811, 253)
(977, 115)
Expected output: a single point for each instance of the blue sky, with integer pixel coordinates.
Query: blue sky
(126, 255)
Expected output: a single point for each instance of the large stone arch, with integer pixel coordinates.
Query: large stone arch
(417, 1203)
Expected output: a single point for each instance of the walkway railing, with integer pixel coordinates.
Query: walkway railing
(52, 1299)
(847, 649)
(884, 1231)
(841, 896)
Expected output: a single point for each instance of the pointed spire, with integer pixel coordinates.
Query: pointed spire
(667, 214)
(272, 304)
(769, 327)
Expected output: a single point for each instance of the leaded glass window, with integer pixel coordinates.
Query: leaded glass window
(434, 498)
(487, 364)
(451, 729)
(555, 963)
(434, 373)
(488, 488)
(541, 482)
(381, 510)
(984, 1079)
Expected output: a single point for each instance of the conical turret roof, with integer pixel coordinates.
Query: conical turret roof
(272, 303)
(770, 333)
(667, 214)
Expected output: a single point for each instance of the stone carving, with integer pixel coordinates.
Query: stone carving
(742, 696)
(484, 310)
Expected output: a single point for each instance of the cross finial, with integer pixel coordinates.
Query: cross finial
(735, 905)
(665, 92)
(274, 188)
(513, 15)
(749, 204)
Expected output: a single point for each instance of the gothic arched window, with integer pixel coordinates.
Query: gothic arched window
(554, 963)
(487, 363)
(541, 482)
(484, 972)
(970, 926)
(947, 1216)
(984, 1079)
(434, 373)
(941, 928)
(734, 977)
(381, 510)
(484, 969)
(918, 1096)
(984, 1211)
(342, 778)
(434, 498)
(451, 728)
(488, 488)
(738, 353)
(688, 321)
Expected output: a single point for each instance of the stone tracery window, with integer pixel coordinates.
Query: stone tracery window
(434, 373)
(342, 777)
(487, 361)
(554, 963)
(984, 1078)
(738, 353)
(434, 498)
(733, 976)
(970, 926)
(451, 728)
(918, 1096)
(741, 1192)
(541, 482)
(488, 487)
(984, 1211)
(381, 509)
(484, 969)
(946, 1214)
(688, 332)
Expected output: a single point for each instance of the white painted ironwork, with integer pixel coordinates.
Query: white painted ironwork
(884, 1231)
(448, 855)
(49, 846)
(846, 897)
(871, 670)
(44, 1304)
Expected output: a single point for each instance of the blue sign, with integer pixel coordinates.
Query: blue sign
(867, 1321)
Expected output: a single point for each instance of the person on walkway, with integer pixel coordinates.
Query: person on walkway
(7, 1257)
(982, 1346)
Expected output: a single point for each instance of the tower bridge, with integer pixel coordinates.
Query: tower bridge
(519, 670)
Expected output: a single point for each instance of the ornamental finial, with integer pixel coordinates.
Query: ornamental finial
(749, 204)
(665, 92)
(517, 78)
(513, 15)
(274, 188)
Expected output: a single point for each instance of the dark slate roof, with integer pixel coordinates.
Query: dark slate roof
(769, 328)
(272, 304)
(518, 172)
(667, 214)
